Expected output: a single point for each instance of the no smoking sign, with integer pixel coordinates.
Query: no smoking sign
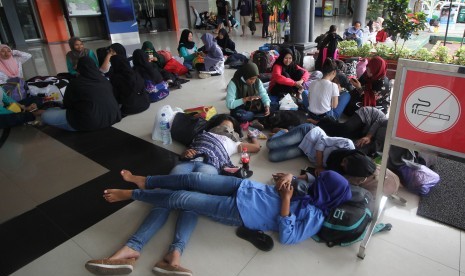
(432, 109)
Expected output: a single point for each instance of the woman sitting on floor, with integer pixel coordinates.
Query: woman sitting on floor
(287, 77)
(246, 97)
(113, 49)
(372, 89)
(228, 47)
(89, 102)
(213, 58)
(77, 50)
(128, 87)
(11, 63)
(187, 48)
(323, 99)
(144, 68)
(14, 113)
(158, 62)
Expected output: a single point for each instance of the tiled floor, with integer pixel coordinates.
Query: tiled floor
(53, 218)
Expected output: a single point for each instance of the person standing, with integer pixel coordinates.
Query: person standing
(265, 18)
(222, 15)
(245, 11)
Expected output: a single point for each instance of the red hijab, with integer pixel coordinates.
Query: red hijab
(377, 68)
(9, 66)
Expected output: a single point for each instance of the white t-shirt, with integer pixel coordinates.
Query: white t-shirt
(320, 93)
(230, 146)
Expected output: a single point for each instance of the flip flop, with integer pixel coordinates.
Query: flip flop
(259, 239)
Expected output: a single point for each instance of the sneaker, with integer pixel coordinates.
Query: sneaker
(111, 267)
(163, 268)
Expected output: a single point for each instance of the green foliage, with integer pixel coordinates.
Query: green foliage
(423, 54)
(460, 56)
(375, 9)
(365, 50)
(442, 54)
(348, 48)
(384, 51)
(400, 23)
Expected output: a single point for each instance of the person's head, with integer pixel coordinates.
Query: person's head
(86, 68)
(286, 57)
(380, 21)
(120, 64)
(224, 120)
(357, 25)
(118, 49)
(147, 46)
(332, 28)
(376, 68)
(186, 36)
(139, 57)
(358, 164)
(223, 34)
(329, 190)
(329, 68)
(341, 65)
(208, 40)
(250, 73)
(76, 44)
(5, 51)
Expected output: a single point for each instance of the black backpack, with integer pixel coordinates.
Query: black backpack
(260, 58)
(185, 127)
(347, 223)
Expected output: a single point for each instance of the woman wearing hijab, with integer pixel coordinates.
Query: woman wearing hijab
(287, 77)
(244, 91)
(187, 48)
(328, 47)
(11, 63)
(213, 58)
(77, 51)
(14, 113)
(113, 49)
(157, 60)
(89, 102)
(144, 68)
(128, 87)
(228, 47)
(372, 89)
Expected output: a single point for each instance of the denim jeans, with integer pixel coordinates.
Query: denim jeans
(242, 115)
(343, 101)
(185, 223)
(56, 117)
(188, 64)
(213, 196)
(285, 145)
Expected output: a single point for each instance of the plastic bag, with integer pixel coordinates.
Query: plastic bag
(169, 113)
(287, 103)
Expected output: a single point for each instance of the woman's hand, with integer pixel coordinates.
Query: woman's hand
(189, 153)
(286, 192)
(299, 83)
(318, 170)
(363, 141)
(355, 83)
(282, 179)
(267, 110)
(31, 107)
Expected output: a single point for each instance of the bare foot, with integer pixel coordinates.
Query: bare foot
(136, 179)
(125, 253)
(115, 195)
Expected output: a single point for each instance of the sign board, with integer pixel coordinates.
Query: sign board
(83, 7)
(430, 108)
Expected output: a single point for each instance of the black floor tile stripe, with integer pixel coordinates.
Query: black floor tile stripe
(34, 233)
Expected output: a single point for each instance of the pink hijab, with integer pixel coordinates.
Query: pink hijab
(9, 66)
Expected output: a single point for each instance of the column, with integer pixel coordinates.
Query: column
(360, 11)
(13, 22)
(311, 22)
(300, 13)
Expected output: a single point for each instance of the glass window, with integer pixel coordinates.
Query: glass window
(27, 19)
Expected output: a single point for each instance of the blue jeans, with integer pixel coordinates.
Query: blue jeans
(56, 117)
(185, 223)
(213, 196)
(188, 64)
(343, 101)
(285, 145)
(242, 115)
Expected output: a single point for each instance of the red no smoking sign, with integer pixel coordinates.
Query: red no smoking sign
(431, 112)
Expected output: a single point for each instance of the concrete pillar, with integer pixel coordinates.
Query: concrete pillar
(311, 21)
(299, 16)
(360, 11)
(13, 22)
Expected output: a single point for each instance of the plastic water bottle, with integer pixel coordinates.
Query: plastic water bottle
(245, 158)
(165, 130)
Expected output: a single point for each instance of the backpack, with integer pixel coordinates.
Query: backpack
(186, 126)
(16, 88)
(157, 92)
(260, 58)
(347, 223)
(175, 67)
(166, 54)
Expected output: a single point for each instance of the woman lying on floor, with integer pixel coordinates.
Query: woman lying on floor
(233, 201)
(208, 153)
(311, 141)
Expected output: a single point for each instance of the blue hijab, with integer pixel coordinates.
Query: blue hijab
(329, 191)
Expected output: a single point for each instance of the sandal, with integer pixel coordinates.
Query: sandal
(259, 239)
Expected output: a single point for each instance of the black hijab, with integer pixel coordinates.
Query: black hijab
(184, 40)
(358, 163)
(291, 68)
(122, 69)
(119, 49)
(144, 68)
(88, 70)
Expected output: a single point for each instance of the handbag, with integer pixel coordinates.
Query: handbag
(254, 106)
(205, 112)
(16, 88)
(173, 66)
(156, 92)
